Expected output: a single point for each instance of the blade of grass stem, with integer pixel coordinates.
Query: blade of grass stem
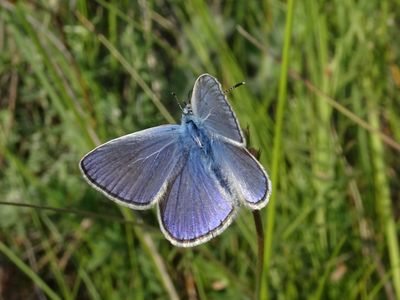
(260, 243)
(384, 202)
(277, 148)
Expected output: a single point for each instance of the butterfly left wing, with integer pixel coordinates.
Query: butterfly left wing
(196, 207)
(134, 170)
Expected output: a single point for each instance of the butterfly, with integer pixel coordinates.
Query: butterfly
(198, 173)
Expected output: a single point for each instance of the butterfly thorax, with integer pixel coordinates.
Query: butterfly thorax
(187, 110)
(194, 133)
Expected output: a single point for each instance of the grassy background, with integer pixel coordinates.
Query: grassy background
(77, 73)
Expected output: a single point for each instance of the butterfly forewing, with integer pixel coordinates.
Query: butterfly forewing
(210, 104)
(135, 168)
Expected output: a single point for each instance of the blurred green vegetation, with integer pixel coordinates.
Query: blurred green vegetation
(74, 74)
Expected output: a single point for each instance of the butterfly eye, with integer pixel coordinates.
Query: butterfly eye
(188, 109)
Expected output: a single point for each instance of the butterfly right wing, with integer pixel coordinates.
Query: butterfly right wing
(134, 170)
(210, 104)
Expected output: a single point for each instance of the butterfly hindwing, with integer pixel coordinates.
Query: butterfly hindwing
(246, 174)
(196, 207)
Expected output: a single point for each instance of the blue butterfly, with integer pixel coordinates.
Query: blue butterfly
(198, 173)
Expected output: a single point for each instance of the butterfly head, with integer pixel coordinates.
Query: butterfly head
(187, 110)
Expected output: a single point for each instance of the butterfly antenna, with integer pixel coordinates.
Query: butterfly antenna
(177, 100)
(234, 87)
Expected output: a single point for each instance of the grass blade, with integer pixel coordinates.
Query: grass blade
(277, 148)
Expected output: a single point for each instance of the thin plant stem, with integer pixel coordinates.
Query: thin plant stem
(84, 213)
(276, 154)
(384, 202)
(260, 246)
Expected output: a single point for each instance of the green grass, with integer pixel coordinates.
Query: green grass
(321, 102)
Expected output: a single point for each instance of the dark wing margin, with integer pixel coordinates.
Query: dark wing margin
(134, 170)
